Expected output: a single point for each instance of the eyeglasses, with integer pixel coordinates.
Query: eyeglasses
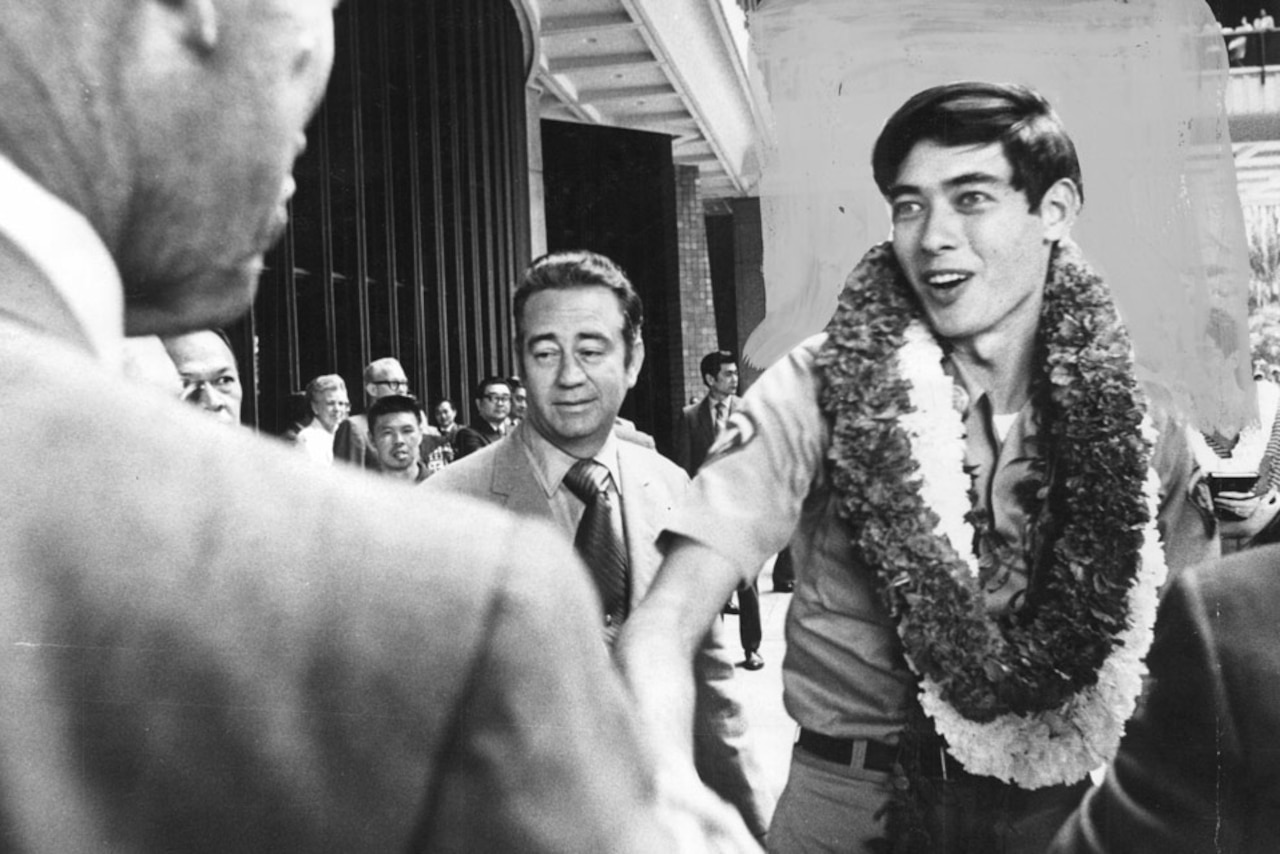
(498, 398)
(402, 385)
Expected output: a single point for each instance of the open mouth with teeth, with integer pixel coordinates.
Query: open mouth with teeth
(946, 281)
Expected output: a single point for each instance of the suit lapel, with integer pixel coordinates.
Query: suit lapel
(514, 483)
(706, 424)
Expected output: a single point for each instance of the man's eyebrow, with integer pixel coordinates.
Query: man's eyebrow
(965, 180)
(972, 178)
(538, 339)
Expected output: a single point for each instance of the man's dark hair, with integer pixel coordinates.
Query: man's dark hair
(713, 362)
(482, 387)
(1034, 141)
(514, 383)
(580, 269)
(390, 404)
(439, 400)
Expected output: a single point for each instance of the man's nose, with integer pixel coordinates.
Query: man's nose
(940, 230)
(570, 372)
(202, 394)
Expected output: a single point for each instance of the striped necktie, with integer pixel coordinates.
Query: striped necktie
(598, 542)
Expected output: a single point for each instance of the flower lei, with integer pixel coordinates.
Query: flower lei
(1038, 696)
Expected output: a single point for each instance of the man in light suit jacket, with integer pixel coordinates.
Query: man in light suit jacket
(578, 326)
(1199, 767)
(206, 644)
(695, 434)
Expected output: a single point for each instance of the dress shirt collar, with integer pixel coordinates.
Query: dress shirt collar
(550, 464)
(968, 393)
(71, 256)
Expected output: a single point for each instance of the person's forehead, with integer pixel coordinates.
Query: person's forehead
(930, 164)
(591, 311)
(497, 388)
(201, 351)
(385, 371)
(396, 421)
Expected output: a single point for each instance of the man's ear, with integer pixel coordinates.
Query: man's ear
(637, 362)
(194, 22)
(1058, 209)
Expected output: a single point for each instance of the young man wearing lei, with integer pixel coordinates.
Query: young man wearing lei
(970, 482)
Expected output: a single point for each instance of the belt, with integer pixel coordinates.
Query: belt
(934, 761)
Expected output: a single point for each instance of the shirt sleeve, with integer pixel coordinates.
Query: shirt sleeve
(724, 745)
(748, 496)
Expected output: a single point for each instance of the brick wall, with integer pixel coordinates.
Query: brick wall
(697, 304)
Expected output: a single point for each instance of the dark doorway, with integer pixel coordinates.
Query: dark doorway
(612, 191)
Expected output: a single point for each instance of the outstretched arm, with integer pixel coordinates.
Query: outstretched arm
(657, 646)
(656, 651)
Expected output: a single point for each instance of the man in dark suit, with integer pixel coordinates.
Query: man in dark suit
(695, 434)
(492, 406)
(578, 324)
(1199, 767)
(700, 422)
(207, 645)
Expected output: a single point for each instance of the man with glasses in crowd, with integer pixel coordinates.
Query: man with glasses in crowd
(351, 442)
(493, 405)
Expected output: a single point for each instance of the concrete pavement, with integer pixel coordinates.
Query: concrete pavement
(774, 731)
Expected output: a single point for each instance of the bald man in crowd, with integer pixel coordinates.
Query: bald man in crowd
(204, 645)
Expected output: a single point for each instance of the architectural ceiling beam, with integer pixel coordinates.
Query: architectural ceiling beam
(603, 61)
(690, 40)
(622, 93)
(584, 25)
(563, 90)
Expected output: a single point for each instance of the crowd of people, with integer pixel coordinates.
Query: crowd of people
(1238, 36)
(212, 644)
